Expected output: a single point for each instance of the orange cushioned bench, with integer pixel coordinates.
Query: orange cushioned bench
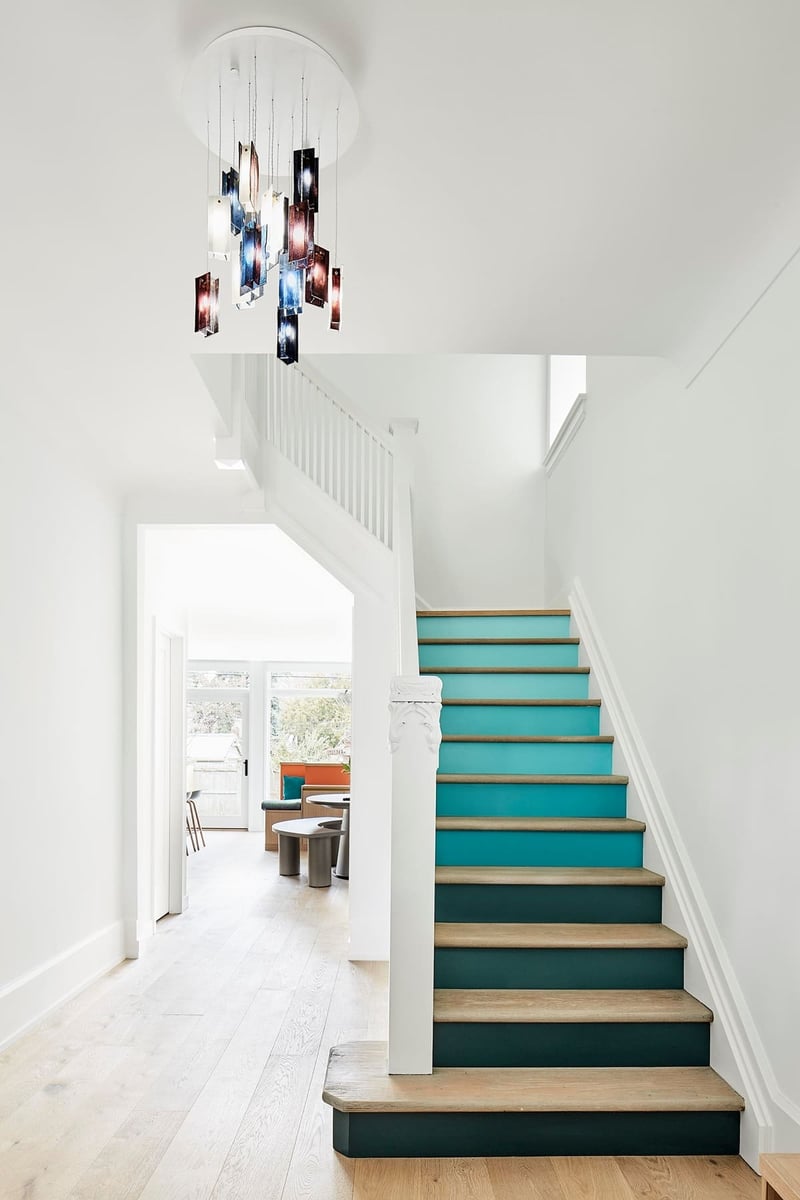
(317, 778)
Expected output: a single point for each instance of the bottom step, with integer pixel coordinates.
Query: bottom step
(458, 1112)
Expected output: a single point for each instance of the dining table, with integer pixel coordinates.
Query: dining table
(339, 802)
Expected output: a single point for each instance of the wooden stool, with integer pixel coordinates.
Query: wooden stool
(780, 1176)
(319, 850)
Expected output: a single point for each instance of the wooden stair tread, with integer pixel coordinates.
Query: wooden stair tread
(481, 641)
(493, 612)
(504, 670)
(579, 739)
(562, 1006)
(506, 935)
(356, 1081)
(782, 1173)
(552, 876)
(540, 702)
(544, 824)
(469, 777)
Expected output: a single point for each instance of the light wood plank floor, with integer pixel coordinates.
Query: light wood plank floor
(196, 1072)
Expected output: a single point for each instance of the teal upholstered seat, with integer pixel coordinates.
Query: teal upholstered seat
(282, 805)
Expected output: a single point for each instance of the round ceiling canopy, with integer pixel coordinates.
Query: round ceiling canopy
(251, 73)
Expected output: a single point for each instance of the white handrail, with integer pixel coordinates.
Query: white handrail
(334, 448)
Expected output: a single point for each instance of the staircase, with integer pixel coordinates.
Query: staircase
(560, 1021)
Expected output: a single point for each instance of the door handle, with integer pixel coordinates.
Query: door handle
(245, 767)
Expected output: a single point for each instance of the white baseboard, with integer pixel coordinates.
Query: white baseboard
(768, 1108)
(28, 998)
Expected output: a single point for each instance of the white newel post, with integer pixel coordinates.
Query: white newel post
(414, 733)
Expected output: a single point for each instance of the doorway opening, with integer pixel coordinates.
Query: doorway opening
(265, 677)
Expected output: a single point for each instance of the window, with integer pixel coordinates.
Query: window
(566, 380)
(309, 713)
(198, 678)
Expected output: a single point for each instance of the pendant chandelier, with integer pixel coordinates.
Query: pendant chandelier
(273, 109)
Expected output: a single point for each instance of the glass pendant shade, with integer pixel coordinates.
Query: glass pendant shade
(298, 233)
(288, 330)
(219, 227)
(213, 321)
(202, 302)
(336, 297)
(206, 305)
(248, 177)
(291, 289)
(273, 216)
(317, 278)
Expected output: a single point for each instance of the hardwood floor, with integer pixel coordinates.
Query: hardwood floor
(196, 1072)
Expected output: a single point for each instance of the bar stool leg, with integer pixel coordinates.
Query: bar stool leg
(192, 834)
(198, 828)
(319, 862)
(288, 855)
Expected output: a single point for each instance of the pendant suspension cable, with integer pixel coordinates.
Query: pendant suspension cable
(336, 188)
(255, 97)
(302, 111)
(272, 146)
(219, 133)
(249, 110)
(208, 155)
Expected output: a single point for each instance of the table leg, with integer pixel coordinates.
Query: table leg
(342, 870)
(319, 862)
(288, 855)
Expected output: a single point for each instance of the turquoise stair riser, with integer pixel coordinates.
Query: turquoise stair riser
(509, 720)
(508, 848)
(470, 626)
(629, 905)
(525, 758)
(530, 799)
(489, 967)
(477, 1134)
(546, 686)
(476, 655)
(680, 1044)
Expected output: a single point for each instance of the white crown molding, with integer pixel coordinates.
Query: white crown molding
(572, 423)
(758, 1077)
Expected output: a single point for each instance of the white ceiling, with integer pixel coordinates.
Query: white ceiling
(538, 176)
(247, 592)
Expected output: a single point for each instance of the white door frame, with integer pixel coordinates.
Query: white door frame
(178, 898)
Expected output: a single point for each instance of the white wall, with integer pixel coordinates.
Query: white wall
(479, 491)
(678, 511)
(60, 722)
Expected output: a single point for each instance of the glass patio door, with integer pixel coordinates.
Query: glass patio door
(217, 757)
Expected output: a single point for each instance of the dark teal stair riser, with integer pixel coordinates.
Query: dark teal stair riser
(508, 848)
(477, 655)
(530, 799)
(682, 1044)
(521, 720)
(470, 1135)
(538, 902)
(525, 758)
(543, 686)
(479, 967)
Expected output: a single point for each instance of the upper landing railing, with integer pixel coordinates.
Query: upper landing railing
(334, 448)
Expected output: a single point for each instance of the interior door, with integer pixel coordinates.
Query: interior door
(162, 738)
(217, 754)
